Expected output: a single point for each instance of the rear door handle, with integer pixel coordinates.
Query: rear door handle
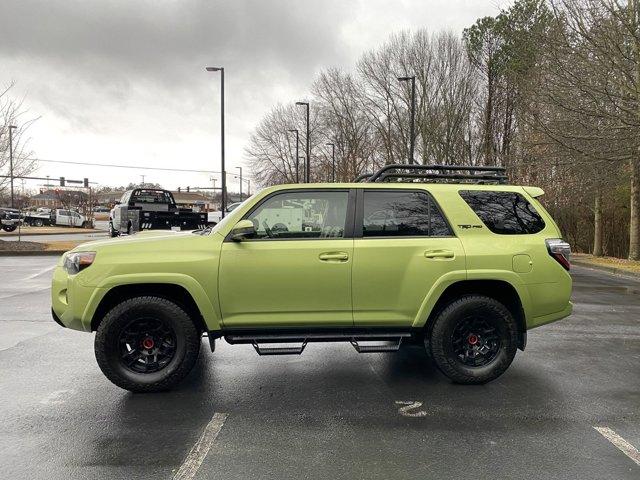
(439, 254)
(334, 256)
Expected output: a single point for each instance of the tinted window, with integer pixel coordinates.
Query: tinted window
(398, 213)
(308, 214)
(507, 213)
(151, 196)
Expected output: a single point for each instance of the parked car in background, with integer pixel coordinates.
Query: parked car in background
(214, 217)
(152, 209)
(101, 209)
(10, 218)
(57, 217)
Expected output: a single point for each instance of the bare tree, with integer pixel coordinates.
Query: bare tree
(593, 80)
(13, 112)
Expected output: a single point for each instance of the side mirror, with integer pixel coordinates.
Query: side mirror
(243, 229)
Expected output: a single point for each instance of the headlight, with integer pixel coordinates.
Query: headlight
(78, 261)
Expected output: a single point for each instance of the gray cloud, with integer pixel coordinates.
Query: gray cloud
(126, 79)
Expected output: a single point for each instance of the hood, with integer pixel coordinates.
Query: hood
(147, 240)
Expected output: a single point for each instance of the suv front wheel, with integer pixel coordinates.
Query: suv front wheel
(146, 344)
(473, 340)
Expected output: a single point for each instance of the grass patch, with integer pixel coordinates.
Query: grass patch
(619, 263)
(63, 245)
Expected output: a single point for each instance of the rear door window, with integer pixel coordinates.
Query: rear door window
(505, 213)
(397, 213)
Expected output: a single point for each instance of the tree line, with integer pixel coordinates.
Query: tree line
(548, 89)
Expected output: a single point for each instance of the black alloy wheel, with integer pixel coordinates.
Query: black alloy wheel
(473, 339)
(147, 345)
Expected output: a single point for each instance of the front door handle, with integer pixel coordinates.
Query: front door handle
(439, 254)
(334, 256)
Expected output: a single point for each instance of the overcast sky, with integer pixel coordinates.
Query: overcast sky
(123, 81)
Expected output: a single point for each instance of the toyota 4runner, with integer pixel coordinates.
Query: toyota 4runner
(465, 269)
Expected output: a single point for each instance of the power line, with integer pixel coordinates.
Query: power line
(115, 165)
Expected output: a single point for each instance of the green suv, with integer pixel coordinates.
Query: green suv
(464, 269)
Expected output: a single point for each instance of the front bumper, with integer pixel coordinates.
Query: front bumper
(73, 304)
(11, 221)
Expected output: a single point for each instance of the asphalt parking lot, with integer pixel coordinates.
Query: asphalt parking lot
(329, 413)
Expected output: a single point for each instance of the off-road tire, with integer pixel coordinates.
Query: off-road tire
(112, 231)
(109, 357)
(9, 228)
(440, 341)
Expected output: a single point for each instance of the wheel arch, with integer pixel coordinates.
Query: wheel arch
(500, 290)
(170, 291)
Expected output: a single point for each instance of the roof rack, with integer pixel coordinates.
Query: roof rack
(436, 173)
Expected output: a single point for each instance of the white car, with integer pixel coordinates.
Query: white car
(215, 217)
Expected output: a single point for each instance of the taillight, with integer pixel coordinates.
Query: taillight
(560, 251)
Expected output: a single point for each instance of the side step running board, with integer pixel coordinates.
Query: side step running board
(364, 340)
(261, 350)
(390, 346)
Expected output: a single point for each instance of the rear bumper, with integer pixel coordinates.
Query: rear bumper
(552, 317)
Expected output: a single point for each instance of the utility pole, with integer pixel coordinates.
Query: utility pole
(11, 129)
(297, 154)
(240, 168)
(304, 166)
(412, 137)
(223, 203)
(333, 161)
(307, 172)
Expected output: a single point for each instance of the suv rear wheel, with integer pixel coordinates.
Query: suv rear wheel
(473, 340)
(146, 344)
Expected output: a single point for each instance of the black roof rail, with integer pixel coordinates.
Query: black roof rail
(412, 172)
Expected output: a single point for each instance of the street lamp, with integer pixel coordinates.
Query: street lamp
(240, 168)
(297, 153)
(223, 202)
(11, 129)
(412, 138)
(333, 161)
(307, 172)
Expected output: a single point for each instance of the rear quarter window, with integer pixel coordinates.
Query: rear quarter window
(505, 213)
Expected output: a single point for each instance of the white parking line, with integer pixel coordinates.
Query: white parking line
(410, 409)
(199, 451)
(624, 446)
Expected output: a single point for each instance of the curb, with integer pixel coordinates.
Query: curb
(604, 268)
(31, 253)
(78, 231)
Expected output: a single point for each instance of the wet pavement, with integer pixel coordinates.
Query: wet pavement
(329, 413)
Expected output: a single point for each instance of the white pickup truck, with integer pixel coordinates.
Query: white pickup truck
(58, 217)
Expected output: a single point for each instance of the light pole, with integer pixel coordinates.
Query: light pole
(302, 162)
(412, 137)
(11, 129)
(307, 172)
(223, 203)
(297, 153)
(333, 161)
(240, 168)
